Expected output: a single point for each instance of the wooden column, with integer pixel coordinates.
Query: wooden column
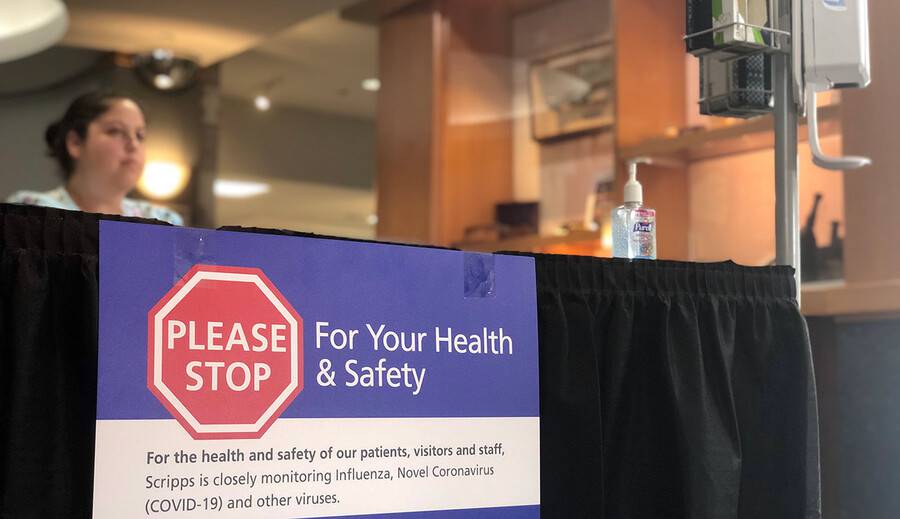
(406, 123)
(444, 132)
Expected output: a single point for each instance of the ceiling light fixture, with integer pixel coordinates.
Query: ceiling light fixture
(27, 28)
(163, 81)
(224, 188)
(263, 100)
(162, 54)
(163, 70)
(163, 180)
(262, 103)
(372, 84)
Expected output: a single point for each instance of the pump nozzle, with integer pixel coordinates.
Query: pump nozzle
(633, 190)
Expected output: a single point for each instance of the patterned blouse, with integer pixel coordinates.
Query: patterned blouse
(60, 199)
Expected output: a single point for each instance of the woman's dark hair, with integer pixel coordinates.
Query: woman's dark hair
(83, 110)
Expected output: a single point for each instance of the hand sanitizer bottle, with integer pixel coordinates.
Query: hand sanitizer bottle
(633, 224)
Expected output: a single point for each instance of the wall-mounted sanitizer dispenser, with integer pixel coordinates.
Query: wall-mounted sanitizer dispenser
(835, 54)
(836, 43)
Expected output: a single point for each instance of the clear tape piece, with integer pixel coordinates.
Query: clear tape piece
(478, 275)
(191, 246)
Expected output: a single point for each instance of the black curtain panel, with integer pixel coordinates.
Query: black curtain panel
(48, 360)
(668, 390)
(674, 390)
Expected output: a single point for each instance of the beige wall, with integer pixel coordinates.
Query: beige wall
(294, 144)
(320, 169)
(732, 204)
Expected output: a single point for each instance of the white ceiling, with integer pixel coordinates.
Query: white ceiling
(206, 30)
(317, 64)
(309, 56)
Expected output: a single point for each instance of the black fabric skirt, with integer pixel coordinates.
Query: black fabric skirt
(668, 390)
(674, 390)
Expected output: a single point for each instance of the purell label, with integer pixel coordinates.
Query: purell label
(643, 234)
(835, 3)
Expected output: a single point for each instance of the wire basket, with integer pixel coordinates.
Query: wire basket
(736, 88)
(735, 38)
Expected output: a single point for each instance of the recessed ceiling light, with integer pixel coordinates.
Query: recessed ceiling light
(371, 84)
(224, 188)
(262, 103)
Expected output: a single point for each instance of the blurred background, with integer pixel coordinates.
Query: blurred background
(497, 125)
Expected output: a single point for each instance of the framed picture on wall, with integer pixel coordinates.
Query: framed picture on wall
(572, 93)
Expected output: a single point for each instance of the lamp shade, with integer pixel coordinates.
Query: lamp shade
(28, 27)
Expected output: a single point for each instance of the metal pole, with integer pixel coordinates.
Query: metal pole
(787, 170)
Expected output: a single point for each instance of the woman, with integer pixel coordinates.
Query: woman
(99, 145)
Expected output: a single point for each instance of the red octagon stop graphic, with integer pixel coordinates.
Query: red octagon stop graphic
(225, 352)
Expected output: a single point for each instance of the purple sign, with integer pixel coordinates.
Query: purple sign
(412, 364)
